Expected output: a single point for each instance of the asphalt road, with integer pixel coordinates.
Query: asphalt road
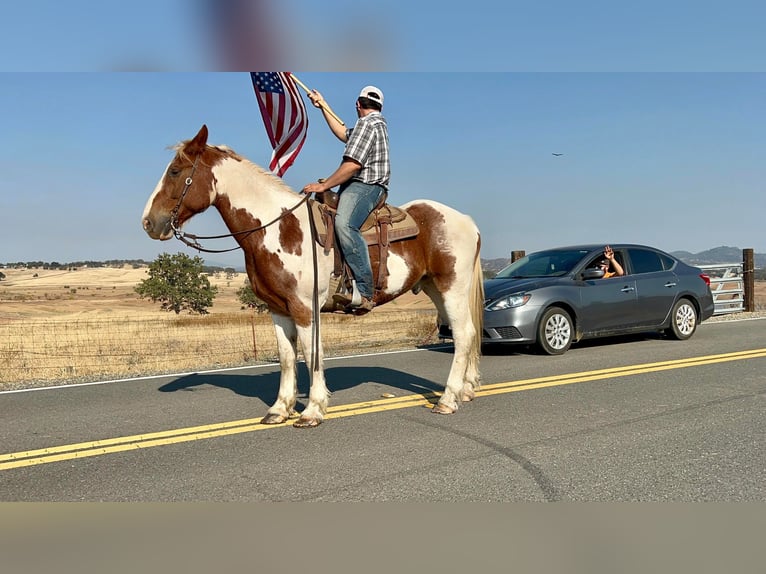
(628, 419)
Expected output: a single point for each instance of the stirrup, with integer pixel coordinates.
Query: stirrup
(349, 300)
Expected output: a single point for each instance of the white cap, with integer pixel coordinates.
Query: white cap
(372, 93)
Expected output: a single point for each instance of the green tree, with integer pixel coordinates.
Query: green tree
(177, 282)
(247, 297)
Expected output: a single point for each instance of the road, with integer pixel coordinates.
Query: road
(628, 419)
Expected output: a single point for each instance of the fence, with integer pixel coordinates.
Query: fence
(727, 284)
(81, 349)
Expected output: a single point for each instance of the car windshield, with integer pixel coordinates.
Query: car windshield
(554, 263)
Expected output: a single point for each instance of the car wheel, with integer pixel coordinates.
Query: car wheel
(683, 320)
(554, 331)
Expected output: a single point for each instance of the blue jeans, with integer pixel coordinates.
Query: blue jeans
(356, 202)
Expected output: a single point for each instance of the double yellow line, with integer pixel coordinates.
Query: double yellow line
(134, 442)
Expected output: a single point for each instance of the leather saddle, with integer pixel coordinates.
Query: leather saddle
(385, 225)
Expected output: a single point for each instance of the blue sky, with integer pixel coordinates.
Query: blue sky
(657, 108)
(402, 35)
(674, 160)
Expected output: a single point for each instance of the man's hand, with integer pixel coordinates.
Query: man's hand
(313, 188)
(345, 171)
(316, 98)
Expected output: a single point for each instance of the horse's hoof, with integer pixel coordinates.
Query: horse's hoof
(273, 419)
(468, 395)
(306, 423)
(442, 409)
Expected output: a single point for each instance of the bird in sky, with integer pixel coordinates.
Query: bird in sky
(557, 154)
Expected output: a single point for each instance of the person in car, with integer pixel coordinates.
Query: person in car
(610, 265)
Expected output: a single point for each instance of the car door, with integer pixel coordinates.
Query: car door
(608, 305)
(656, 286)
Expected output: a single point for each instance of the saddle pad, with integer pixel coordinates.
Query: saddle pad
(403, 225)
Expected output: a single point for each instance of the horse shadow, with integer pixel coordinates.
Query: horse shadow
(265, 386)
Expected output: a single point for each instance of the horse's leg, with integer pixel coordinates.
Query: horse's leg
(284, 406)
(474, 316)
(463, 377)
(319, 396)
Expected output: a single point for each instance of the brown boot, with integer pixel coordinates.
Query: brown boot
(343, 299)
(364, 307)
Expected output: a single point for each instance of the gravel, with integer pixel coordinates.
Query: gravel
(741, 316)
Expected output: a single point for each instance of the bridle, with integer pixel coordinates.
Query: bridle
(191, 239)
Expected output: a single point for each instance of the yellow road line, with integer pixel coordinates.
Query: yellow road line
(149, 440)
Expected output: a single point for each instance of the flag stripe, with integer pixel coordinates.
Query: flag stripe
(284, 116)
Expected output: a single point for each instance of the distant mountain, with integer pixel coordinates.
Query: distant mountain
(716, 256)
(223, 265)
(492, 266)
(719, 255)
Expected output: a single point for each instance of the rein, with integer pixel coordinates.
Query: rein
(191, 239)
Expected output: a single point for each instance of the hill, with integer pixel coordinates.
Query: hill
(719, 255)
(714, 256)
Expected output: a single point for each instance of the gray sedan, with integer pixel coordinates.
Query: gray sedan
(556, 297)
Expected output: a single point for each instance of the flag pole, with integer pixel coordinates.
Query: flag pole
(322, 103)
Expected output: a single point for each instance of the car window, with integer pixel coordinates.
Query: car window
(644, 261)
(667, 262)
(543, 264)
(596, 260)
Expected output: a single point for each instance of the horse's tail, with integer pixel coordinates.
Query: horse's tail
(477, 306)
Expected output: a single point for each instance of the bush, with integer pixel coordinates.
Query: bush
(247, 297)
(178, 283)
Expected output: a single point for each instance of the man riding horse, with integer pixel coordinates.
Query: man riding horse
(363, 177)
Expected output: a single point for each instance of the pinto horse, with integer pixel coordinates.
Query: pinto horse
(292, 276)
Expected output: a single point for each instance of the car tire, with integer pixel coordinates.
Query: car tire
(683, 320)
(555, 331)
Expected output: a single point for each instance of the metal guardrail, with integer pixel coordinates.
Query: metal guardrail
(728, 287)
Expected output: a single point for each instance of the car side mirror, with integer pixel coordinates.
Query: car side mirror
(592, 274)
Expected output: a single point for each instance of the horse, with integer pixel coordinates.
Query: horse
(292, 276)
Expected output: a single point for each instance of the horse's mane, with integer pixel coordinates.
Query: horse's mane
(227, 152)
(180, 149)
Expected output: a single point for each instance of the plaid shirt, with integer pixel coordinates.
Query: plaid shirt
(368, 144)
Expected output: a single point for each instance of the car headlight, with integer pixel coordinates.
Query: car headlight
(509, 302)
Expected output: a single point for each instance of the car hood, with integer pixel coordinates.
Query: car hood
(495, 288)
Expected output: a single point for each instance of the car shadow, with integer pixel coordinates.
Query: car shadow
(505, 349)
(265, 386)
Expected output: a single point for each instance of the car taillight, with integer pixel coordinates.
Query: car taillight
(706, 278)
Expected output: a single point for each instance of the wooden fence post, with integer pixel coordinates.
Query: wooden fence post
(515, 255)
(748, 276)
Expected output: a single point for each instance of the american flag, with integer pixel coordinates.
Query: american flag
(284, 116)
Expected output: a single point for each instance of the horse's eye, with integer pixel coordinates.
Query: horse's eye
(174, 172)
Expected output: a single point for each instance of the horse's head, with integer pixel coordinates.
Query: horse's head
(185, 189)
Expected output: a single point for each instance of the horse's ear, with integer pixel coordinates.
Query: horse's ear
(198, 143)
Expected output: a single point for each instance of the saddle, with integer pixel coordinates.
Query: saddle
(385, 225)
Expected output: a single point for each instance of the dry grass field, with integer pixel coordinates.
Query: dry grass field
(39, 294)
(68, 326)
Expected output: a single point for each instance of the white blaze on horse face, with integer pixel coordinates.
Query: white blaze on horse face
(149, 219)
(157, 188)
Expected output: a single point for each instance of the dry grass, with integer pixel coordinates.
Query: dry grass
(67, 326)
